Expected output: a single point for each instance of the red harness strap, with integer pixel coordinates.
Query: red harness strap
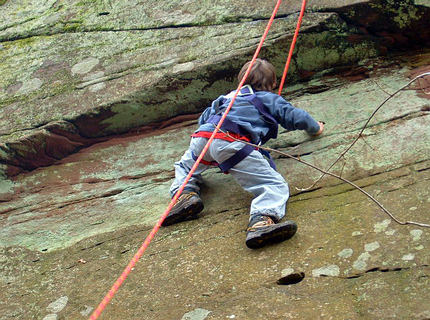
(218, 135)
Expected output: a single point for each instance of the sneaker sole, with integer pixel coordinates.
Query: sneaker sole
(189, 212)
(271, 234)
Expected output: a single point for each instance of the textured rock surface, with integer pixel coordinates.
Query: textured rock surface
(355, 260)
(70, 226)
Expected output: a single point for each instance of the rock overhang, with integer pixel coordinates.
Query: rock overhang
(106, 82)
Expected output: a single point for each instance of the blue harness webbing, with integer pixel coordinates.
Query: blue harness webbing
(247, 93)
(226, 165)
(231, 126)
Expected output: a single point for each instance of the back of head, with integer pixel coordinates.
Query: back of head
(262, 76)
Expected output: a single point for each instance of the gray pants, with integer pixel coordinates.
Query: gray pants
(253, 173)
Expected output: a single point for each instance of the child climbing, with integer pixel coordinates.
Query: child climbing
(254, 118)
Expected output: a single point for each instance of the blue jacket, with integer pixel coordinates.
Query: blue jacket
(249, 118)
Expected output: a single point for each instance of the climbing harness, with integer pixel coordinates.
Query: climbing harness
(236, 131)
(108, 297)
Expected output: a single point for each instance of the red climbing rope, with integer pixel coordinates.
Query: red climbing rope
(149, 238)
(293, 43)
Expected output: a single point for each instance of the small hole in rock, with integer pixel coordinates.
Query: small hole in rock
(292, 278)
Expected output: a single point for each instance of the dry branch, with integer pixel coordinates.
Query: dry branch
(424, 225)
(364, 127)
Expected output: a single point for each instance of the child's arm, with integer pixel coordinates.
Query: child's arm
(292, 118)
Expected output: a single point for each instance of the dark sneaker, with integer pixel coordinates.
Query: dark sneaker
(186, 208)
(262, 230)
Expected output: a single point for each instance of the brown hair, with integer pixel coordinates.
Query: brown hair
(261, 77)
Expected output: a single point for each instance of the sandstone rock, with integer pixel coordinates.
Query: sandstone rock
(81, 185)
(196, 314)
(57, 305)
(144, 49)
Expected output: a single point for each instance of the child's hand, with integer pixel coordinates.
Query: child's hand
(321, 128)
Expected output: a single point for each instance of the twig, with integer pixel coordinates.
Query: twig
(382, 89)
(364, 127)
(343, 167)
(367, 144)
(335, 176)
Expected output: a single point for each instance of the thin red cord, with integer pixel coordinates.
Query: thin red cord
(293, 43)
(149, 238)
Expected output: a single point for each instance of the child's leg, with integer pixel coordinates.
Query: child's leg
(183, 167)
(271, 191)
(189, 203)
(255, 175)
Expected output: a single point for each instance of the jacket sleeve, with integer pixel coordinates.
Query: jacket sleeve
(209, 111)
(204, 116)
(292, 118)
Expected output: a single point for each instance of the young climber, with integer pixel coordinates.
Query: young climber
(254, 117)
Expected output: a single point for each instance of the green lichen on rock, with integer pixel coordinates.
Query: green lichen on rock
(422, 3)
(404, 13)
(391, 15)
(327, 49)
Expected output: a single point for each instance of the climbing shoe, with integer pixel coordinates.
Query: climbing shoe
(262, 230)
(186, 207)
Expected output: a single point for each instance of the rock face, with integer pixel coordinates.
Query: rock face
(97, 100)
(73, 71)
